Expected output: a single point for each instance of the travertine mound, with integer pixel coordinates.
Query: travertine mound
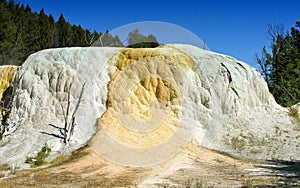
(138, 103)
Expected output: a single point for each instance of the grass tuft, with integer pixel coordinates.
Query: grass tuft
(237, 143)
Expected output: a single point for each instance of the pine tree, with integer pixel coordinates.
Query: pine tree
(44, 30)
(63, 31)
(281, 67)
(8, 33)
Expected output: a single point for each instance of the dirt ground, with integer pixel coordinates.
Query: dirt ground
(193, 167)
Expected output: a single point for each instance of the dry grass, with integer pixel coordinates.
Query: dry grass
(294, 113)
(61, 159)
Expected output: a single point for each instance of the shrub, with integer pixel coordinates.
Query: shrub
(39, 160)
(294, 113)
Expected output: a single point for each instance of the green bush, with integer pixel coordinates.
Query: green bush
(39, 160)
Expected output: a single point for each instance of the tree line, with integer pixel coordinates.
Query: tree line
(23, 32)
(280, 64)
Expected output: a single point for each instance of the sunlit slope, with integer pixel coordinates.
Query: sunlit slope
(138, 103)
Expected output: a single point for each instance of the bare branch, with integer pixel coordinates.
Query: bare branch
(72, 123)
(89, 41)
(79, 99)
(275, 30)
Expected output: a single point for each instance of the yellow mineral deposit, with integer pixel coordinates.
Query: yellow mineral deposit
(7, 74)
(153, 80)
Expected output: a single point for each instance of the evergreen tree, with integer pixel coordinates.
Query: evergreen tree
(76, 36)
(8, 33)
(53, 33)
(281, 67)
(44, 30)
(63, 31)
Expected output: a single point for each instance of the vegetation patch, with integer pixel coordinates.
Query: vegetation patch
(60, 159)
(197, 183)
(74, 155)
(39, 160)
(237, 143)
(4, 167)
(255, 151)
(294, 113)
(247, 183)
(280, 65)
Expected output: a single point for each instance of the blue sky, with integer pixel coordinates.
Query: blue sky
(236, 28)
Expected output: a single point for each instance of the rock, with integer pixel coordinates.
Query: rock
(146, 104)
(7, 74)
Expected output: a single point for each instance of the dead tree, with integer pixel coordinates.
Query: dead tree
(70, 124)
(89, 39)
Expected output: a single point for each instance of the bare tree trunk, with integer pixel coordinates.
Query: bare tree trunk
(90, 40)
(72, 124)
(71, 131)
(66, 116)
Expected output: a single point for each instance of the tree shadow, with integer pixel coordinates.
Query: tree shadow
(60, 136)
(287, 172)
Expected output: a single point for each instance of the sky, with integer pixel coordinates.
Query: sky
(233, 27)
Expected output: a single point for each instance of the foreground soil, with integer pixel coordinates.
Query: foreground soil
(193, 167)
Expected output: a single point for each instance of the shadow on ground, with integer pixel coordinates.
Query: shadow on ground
(287, 173)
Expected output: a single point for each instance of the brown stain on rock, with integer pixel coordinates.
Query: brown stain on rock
(7, 75)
